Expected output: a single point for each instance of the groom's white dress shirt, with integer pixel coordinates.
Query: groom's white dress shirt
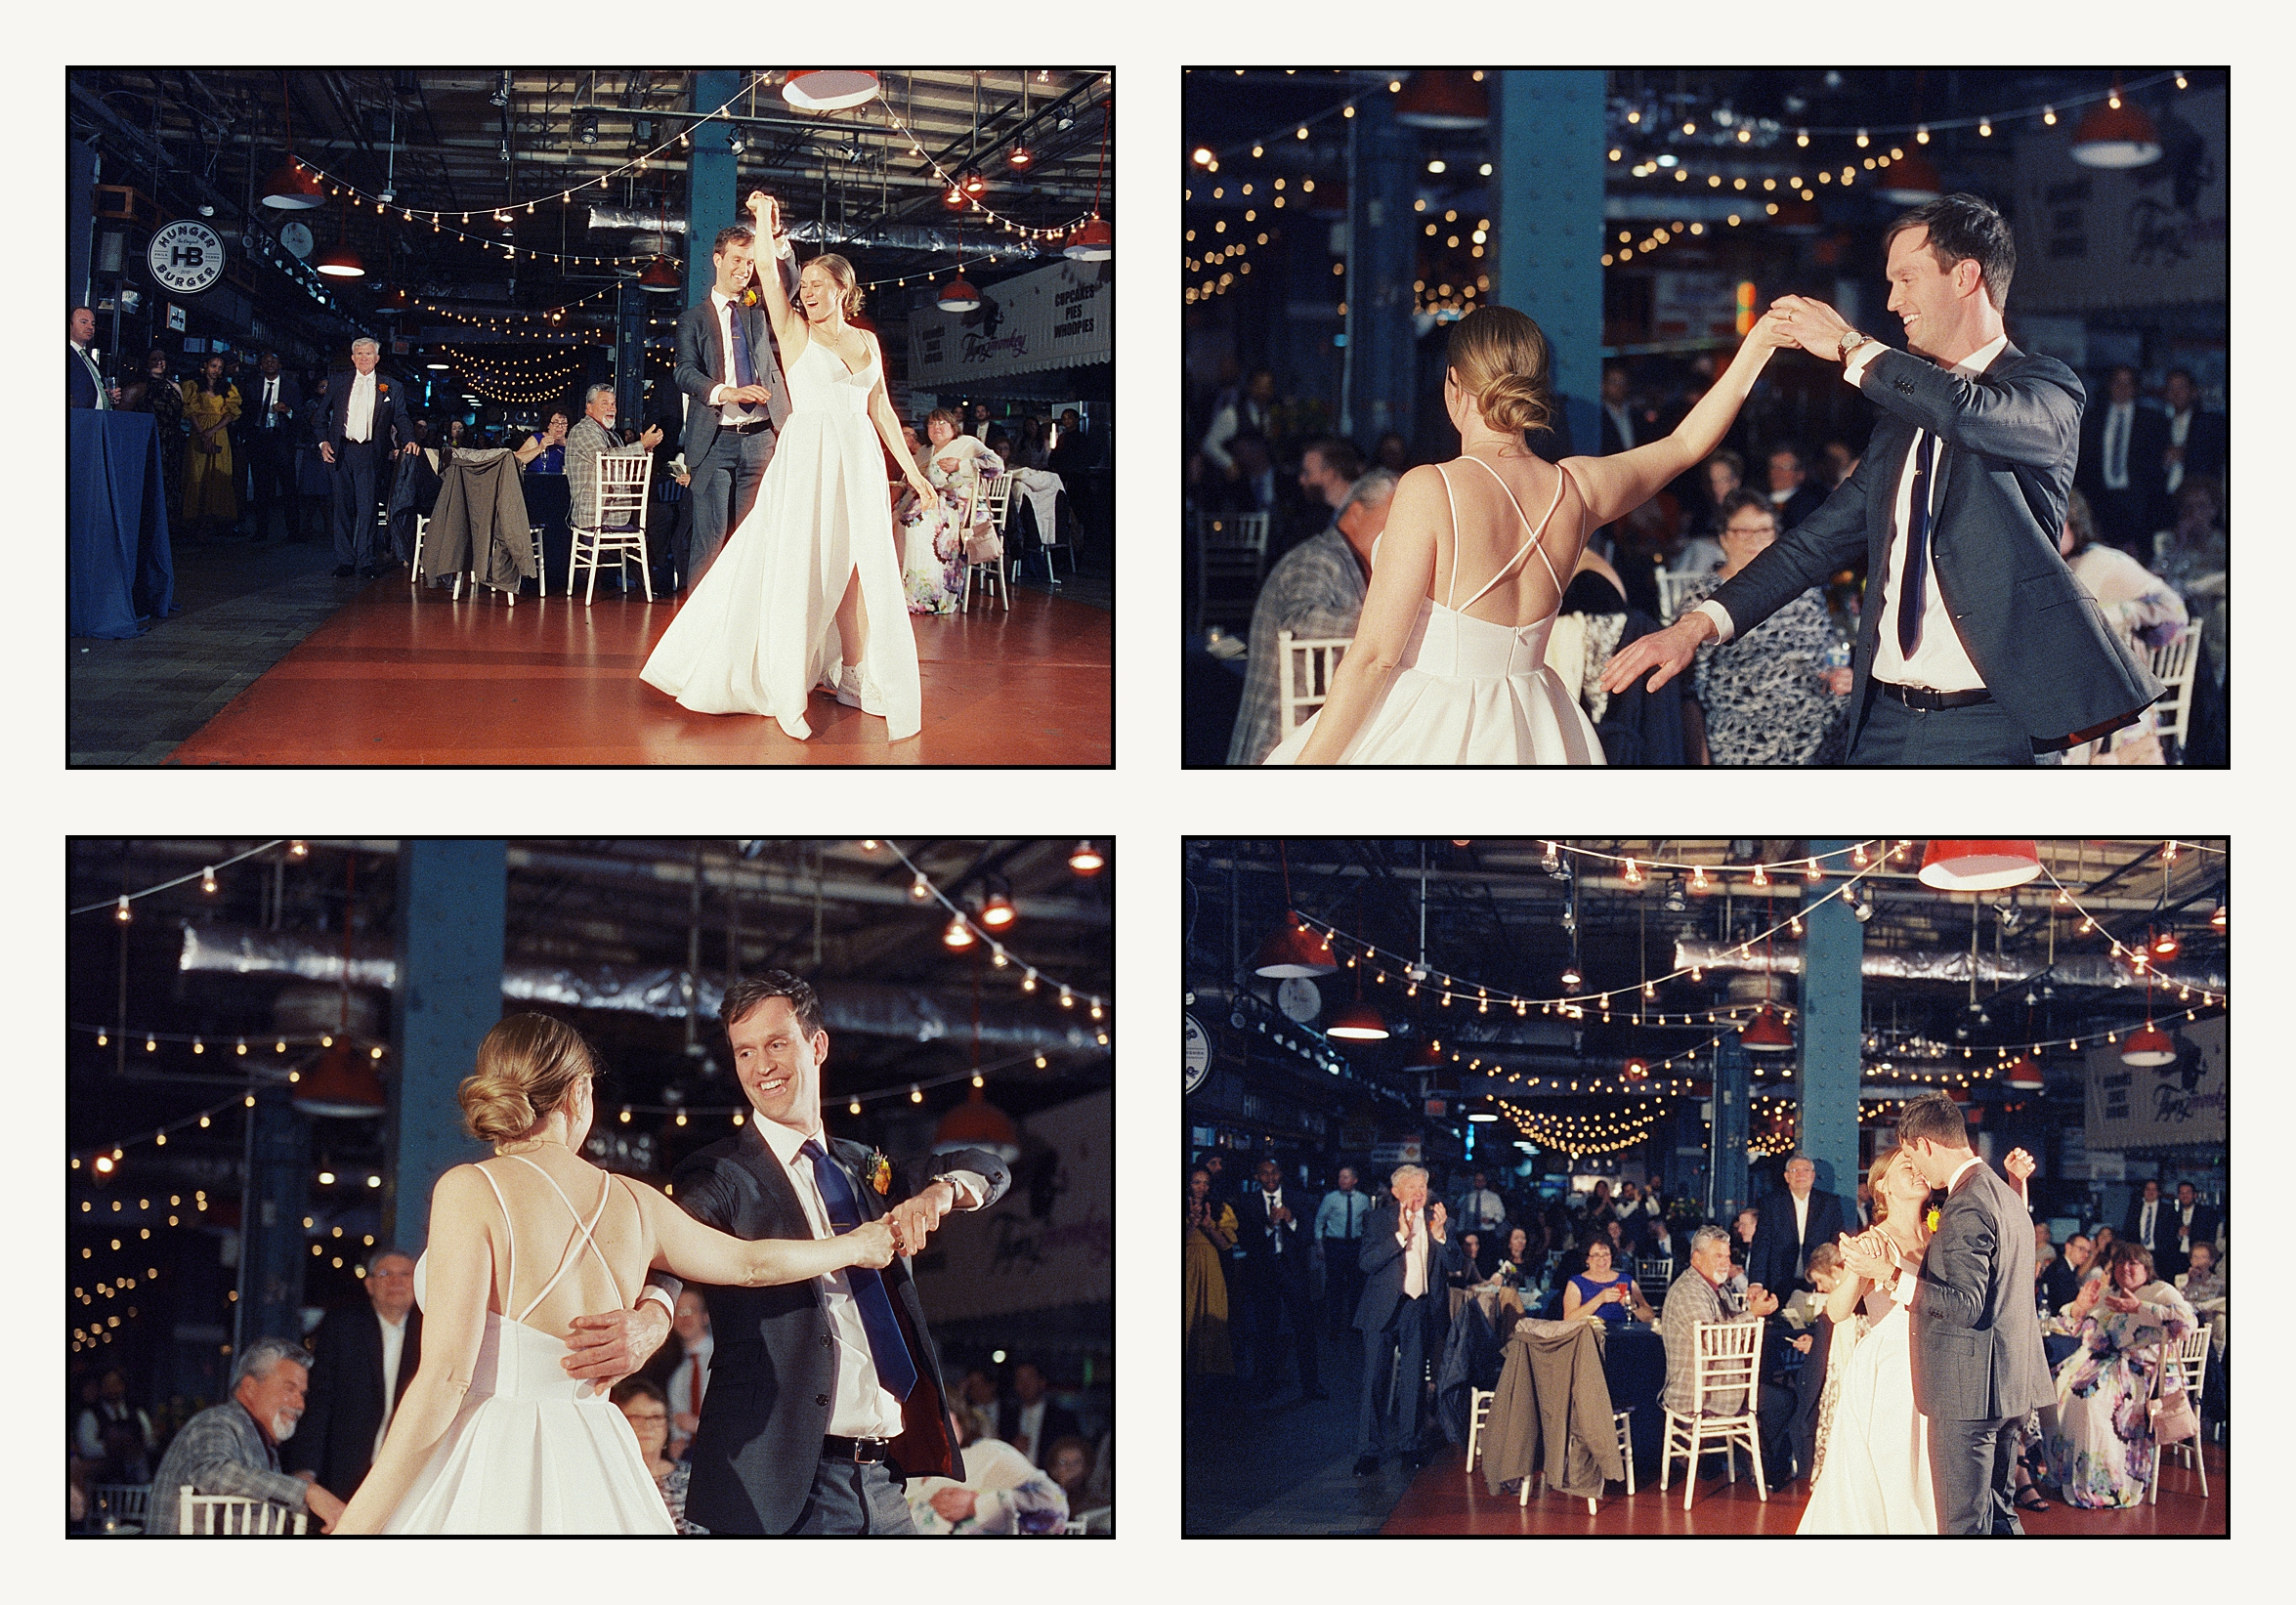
(1411, 1231)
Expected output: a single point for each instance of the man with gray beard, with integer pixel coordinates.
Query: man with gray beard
(234, 1448)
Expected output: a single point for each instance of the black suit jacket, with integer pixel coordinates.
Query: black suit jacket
(2009, 439)
(2060, 1285)
(393, 425)
(336, 1437)
(251, 393)
(1799, 506)
(2148, 436)
(1772, 1262)
(80, 385)
(2164, 1226)
(2207, 445)
(773, 1369)
(702, 366)
(1257, 1235)
(1382, 1260)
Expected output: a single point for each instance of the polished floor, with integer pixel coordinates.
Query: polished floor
(399, 678)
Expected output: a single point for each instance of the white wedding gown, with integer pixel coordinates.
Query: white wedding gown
(1468, 689)
(533, 1449)
(760, 630)
(1875, 1476)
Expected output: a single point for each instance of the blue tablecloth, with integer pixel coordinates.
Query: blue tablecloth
(121, 573)
(2059, 1349)
(1634, 1363)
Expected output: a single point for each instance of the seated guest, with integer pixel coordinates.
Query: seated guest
(1768, 697)
(2102, 1449)
(1743, 1231)
(641, 1402)
(1315, 591)
(2061, 1282)
(2143, 610)
(1471, 1268)
(545, 452)
(234, 1448)
(1029, 1421)
(1724, 472)
(2203, 1286)
(1514, 1267)
(1002, 1494)
(2106, 1239)
(592, 438)
(1072, 1470)
(1703, 1293)
(1658, 1240)
(1603, 1291)
(1613, 1231)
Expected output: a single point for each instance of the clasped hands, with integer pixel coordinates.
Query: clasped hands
(1867, 1254)
(1814, 326)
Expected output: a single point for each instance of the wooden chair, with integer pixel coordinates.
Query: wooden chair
(1725, 1352)
(1308, 665)
(993, 574)
(2190, 1355)
(120, 1503)
(2176, 665)
(1230, 547)
(422, 526)
(615, 526)
(1099, 1519)
(1478, 1411)
(218, 1514)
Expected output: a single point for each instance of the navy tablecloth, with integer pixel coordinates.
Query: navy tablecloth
(121, 572)
(1634, 1363)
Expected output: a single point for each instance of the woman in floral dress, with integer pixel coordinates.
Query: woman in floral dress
(2100, 1451)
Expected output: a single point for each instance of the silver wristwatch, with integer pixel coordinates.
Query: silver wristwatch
(1852, 341)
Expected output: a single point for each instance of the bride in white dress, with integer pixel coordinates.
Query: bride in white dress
(1450, 682)
(493, 1435)
(807, 591)
(1873, 1474)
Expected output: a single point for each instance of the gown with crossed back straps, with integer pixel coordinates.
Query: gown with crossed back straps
(1470, 691)
(533, 1449)
(761, 629)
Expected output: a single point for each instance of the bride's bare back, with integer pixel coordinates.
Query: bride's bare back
(1506, 517)
(539, 1246)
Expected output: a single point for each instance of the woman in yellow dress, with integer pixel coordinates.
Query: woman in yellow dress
(1209, 1234)
(210, 407)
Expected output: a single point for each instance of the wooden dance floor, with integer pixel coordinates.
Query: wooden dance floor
(397, 678)
(1443, 1499)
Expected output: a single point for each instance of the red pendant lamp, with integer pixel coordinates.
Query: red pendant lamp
(2025, 1073)
(1768, 1032)
(1912, 181)
(1445, 99)
(1979, 865)
(1292, 949)
(959, 294)
(290, 187)
(343, 1084)
(2116, 134)
(1358, 1021)
(828, 89)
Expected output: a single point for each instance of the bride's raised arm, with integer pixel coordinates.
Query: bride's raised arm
(459, 1273)
(1399, 583)
(789, 323)
(1617, 484)
(684, 1247)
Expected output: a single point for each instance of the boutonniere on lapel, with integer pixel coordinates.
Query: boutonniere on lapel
(383, 386)
(1930, 1221)
(878, 1170)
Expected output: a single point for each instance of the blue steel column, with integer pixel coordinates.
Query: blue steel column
(1833, 993)
(1549, 156)
(1725, 1177)
(712, 173)
(1381, 226)
(629, 355)
(449, 996)
(270, 1222)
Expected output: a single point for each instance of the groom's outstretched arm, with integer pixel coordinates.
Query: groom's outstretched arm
(605, 1347)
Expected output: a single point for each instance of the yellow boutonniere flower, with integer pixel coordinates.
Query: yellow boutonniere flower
(880, 1173)
(1930, 1219)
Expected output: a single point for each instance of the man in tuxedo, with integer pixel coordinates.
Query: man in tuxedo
(1977, 1362)
(366, 422)
(274, 397)
(84, 384)
(362, 1360)
(2123, 443)
(823, 1395)
(2189, 1221)
(1408, 1253)
(1789, 1225)
(1275, 1278)
(1028, 1419)
(1791, 497)
(2147, 1225)
(1976, 644)
(730, 366)
(2196, 446)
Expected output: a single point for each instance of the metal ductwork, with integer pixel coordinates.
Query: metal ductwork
(902, 237)
(2096, 970)
(621, 217)
(908, 1013)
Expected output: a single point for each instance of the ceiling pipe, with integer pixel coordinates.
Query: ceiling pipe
(866, 1008)
(2096, 970)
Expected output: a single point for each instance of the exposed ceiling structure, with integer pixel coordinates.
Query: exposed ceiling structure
(497, 151)
(1509, 916)
(601, 933)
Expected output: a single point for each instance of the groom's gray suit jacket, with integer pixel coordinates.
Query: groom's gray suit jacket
(1976, 1342)
(703, 365)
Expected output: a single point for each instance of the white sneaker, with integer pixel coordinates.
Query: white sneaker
(854, 695)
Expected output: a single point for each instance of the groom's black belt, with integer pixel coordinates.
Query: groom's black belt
(1923, 700)
(855, 1450)
(750, 428)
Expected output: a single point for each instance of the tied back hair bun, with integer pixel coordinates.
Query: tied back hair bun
(527, 1068)
(1501, 359)
(1514, 404)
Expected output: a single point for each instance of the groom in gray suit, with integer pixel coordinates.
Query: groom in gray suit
(730, 369)
(1978, 1362)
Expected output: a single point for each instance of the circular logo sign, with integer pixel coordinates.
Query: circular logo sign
(1195, 1053)
(185, 257)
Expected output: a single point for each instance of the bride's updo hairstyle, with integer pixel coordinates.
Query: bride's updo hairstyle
(842, 272)
(1502, 360)
(528, 1066)
(1873, 1180)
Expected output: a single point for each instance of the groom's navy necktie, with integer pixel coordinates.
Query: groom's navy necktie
(1915, 588)
(896, 1371)
(738, 357)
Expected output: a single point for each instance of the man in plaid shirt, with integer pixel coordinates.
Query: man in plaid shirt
(1703, 1293)
(234, 1448)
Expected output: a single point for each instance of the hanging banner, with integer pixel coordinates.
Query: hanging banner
(2090, 239)
(2154, 1106)
(1059, 317)
(1050, 1240)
